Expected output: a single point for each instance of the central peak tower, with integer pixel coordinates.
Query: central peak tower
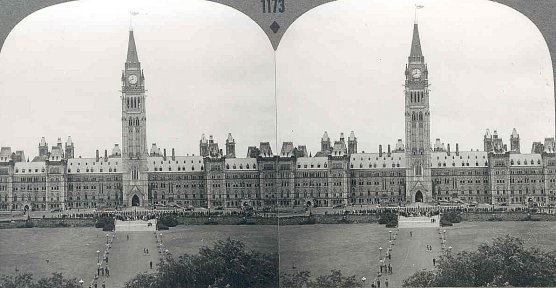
(417, 124)
(134, 130)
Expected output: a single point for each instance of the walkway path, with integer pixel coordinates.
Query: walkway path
(127, 259)
(409, 253)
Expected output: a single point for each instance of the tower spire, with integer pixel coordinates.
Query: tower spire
(416, 43)
(131, 49)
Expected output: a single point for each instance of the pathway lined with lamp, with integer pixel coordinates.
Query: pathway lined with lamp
(125, 256)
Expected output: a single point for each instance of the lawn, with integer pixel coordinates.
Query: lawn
(469, 235)
(71, 251)
(188, 239)
(354, 248)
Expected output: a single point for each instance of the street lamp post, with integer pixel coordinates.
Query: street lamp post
(390, 234)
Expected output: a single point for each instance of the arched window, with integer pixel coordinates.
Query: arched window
(130, 122)
(137, 121)
(413, 116)
(420, 116)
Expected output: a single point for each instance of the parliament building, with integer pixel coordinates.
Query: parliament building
(413, 170)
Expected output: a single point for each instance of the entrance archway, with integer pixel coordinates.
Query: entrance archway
(135, 201)
(418, 196)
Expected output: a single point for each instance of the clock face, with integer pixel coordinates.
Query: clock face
(416, 73)
(132, 79)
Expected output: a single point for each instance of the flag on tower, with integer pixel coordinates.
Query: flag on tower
(418, 6)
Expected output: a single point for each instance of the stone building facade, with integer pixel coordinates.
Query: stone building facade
(336, 175)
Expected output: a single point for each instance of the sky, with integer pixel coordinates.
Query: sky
(210, 69)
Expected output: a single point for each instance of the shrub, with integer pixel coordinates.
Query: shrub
(27, 224)
(161, 226)
(388, 218)
(169, 220)
(103, 221)
(108, 227)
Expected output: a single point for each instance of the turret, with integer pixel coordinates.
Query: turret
(230, 146)
(43, 148)
(352, 143)
(203, 146)
(514, 142)
(70, 151)
(325, 143)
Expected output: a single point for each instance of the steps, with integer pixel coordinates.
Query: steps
(135, 225)
(418, 222)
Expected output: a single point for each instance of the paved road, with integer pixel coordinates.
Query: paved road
(126, 258)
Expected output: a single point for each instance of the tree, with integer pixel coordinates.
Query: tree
(303, 279)
(227, 264)
(505, 262)
(25, 280)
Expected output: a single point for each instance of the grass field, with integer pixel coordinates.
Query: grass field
(354, 248)
(188, 239)
(320, 248)
(469, 235)
(70, 251)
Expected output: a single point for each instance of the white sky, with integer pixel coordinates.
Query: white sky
(209, 69)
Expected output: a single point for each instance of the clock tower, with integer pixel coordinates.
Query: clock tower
(417, 125)
(134, 130)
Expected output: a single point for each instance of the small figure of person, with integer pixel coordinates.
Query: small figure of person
(386, 282)
(433, 261)
(151, 264)
(389, 268)
(378, 283)
(127, 236)
(103, 284)
(389, 256)
(410, 234)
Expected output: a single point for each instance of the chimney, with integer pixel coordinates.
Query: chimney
(105, 155)
(97, 156)
(164, 154)
(173, 155)
(389, 152)
(448, 149)
(379, 150)
(457, 149)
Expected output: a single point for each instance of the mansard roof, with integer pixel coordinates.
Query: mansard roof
(312, 163)
(375, 161)
(25, 168)
(241, 164)
(92, 166)
(470, 159)
(179, 164)
(526, 160)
